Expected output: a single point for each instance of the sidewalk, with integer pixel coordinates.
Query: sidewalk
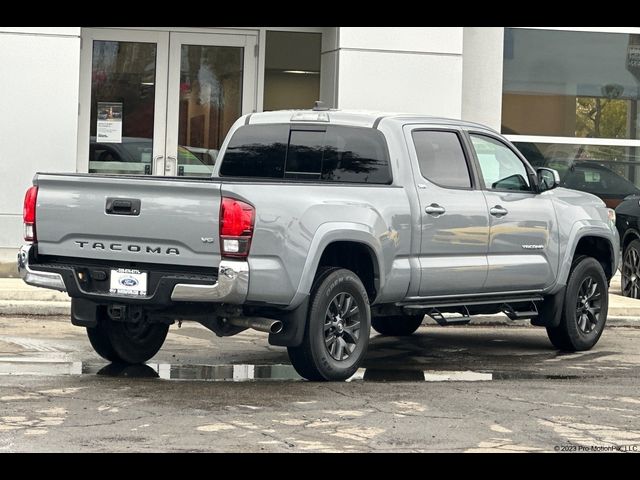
(18, 298)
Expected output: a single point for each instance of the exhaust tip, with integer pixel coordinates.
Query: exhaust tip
(276, 327)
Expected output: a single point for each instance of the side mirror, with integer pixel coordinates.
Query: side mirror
(548, 179)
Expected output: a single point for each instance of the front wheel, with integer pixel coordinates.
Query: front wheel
(585, 308)
(337, 330)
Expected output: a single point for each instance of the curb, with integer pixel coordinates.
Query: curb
(28, 307)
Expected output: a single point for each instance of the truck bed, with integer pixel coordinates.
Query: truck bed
(129, 218)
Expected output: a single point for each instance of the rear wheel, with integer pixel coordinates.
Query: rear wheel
(397, 325)
(631, 270)
(127, 342)
(337, 330)
(586, 304)
(99, 338)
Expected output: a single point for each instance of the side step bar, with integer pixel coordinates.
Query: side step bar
(514, 314)
(445, 321)
(469, 301)
(505, 304)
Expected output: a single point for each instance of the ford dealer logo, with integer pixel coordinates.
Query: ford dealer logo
(128, 282)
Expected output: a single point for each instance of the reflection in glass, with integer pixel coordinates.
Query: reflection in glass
(292, 70)
(571, 84)
(210, 101)
(610, 172)
(123, 73)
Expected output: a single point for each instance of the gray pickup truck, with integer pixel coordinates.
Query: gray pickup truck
(318, 225)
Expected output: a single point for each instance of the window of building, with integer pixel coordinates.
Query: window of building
(330, 154)
(614, 164)
(292, 70)
(571, 97)
(571, 84)
(442, 159)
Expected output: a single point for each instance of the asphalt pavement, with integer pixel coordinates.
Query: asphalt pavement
(454, 389)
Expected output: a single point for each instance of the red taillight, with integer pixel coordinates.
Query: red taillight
(29, 214)
(236, 227)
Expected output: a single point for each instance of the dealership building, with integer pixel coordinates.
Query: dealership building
(160, 100)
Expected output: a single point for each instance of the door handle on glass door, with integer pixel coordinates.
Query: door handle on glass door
(435, 209)
(158, 164)
(498, 211)
(168, 167)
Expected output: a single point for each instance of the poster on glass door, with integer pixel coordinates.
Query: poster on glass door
(109, 127)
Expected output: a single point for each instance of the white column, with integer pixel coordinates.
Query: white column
(398, 69)
(482, 68)
(39, 116)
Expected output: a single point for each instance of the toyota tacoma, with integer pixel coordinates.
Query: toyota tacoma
(315, 227)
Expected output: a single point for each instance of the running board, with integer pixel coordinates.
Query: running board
(445, 321)
(468, 302)
(505, 304)
(514, 314)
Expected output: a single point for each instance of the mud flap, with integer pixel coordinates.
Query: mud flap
(83, 313)
(550, 311)
(294, 323)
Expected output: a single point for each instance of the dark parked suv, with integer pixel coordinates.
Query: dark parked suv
(586, 175)
(628, 223)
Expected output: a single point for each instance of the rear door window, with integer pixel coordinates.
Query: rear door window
(355, 155)
(441, 158)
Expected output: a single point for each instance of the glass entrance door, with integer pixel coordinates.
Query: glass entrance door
(160, 103)
(210, 86)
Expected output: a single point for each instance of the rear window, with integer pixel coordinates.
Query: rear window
(332, 154)
(256, 151)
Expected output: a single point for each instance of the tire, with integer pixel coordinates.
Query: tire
(397, 325)
(99, 338)
(630, 270)
(126, 342)
(332, 349)
(582, 324)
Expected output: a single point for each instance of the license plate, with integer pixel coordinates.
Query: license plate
(125, 281)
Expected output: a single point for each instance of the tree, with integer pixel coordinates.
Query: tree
(601, 117)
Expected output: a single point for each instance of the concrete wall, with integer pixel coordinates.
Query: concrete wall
(401, 69)
(38, 115)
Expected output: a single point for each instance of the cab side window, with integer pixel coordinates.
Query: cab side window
(501, 168)
(441, 158)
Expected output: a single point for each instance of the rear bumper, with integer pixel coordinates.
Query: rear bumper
(37, 278)
(231, 285)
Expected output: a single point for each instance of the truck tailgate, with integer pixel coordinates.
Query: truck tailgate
(130, 219)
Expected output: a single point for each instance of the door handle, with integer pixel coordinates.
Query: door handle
(498, 211)
(435, 209)
(167, 167)
(158, 164)
(123, 206)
